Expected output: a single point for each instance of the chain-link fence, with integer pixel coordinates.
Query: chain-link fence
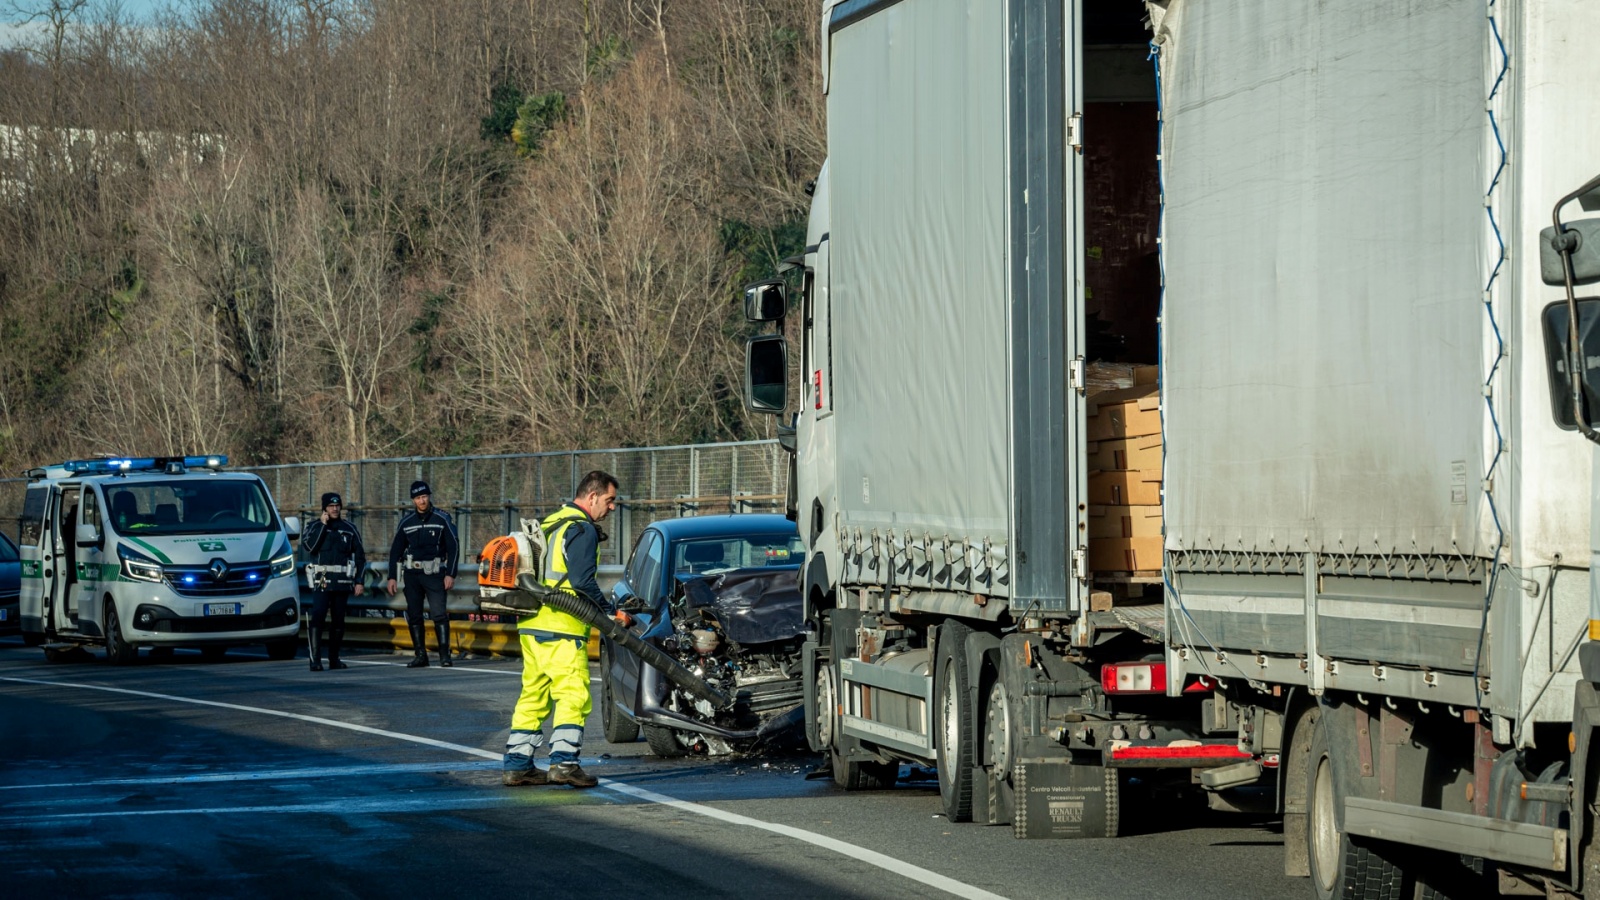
(488, 495)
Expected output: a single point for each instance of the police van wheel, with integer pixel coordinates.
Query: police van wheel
(118, 650)
(281, 650)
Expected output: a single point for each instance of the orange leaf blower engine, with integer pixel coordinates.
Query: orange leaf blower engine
(500, 563)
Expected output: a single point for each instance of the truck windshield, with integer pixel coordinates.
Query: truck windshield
(192, 506)
(714, 555)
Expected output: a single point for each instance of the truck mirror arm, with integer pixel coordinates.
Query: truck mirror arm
(1566, 244)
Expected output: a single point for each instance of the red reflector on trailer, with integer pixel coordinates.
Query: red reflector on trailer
(1134, 678)
(1203, 751)
(1200, 685)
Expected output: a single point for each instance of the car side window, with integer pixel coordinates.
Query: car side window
(649, 583)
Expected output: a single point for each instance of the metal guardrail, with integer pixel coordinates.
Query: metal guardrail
(487, 495)
(376, 619)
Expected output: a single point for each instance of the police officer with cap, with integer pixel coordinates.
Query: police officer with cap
(425, 546)
(335, 563)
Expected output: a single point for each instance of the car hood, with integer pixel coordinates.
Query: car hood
(198, 550)
(753, 606)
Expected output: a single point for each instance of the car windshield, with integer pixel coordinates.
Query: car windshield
(695, 557)
(189, 506)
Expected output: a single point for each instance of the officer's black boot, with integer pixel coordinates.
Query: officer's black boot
(335, 638)
(419, 644)
(316, 649)
(441, 630)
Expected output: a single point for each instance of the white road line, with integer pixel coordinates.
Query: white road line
(266, 775)
(516, 673)
(870, 857)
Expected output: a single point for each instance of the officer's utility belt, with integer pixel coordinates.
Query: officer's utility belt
(322, 578)
(425, 566)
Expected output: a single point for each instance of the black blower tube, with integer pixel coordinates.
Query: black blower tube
(534, 594)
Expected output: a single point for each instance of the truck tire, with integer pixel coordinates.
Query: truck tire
(1342, 867)
(664, 742)
(619, 729)
(118, 650)
(999, 743)
(851, 775)
(955, 721)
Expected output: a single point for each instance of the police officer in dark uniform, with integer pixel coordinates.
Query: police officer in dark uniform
(335, 562)
(425, 546)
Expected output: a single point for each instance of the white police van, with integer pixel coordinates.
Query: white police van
(157, 552)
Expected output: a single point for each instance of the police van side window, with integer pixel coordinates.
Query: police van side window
(32, 524)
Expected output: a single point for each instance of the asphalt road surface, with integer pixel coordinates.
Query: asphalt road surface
(250, 778)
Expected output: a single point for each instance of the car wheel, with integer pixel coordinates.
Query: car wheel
(619, 729)
(664, 742)
(955, 722)
(118, 650)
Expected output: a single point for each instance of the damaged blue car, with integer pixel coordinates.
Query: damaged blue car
(721, 595)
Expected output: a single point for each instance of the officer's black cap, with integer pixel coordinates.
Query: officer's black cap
(330, 498)
(418, 488)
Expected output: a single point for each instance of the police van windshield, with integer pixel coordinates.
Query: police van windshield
(191, 506)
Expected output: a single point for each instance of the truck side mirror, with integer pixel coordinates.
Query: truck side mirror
(1582, 237)
(1556, 321)
(87, 536)
(766, 301)
(766, 374)
(291, 525)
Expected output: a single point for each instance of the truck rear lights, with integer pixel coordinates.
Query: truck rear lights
(1146, 678)
(1134, 678)
(1180, 754)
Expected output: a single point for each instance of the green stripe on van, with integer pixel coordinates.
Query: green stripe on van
(266, 547)
(160, 557)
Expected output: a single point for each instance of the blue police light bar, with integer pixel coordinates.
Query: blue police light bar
(111, 466)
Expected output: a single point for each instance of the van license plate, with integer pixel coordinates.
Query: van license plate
(222, 609)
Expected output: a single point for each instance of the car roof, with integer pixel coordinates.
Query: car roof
(738, 525)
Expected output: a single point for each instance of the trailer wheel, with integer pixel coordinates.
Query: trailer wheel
(664, 742)
(851, 775)
(956, 721)
(1341, 867)
(619, 729)
(118, 650)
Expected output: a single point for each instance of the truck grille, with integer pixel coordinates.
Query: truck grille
(238, 581)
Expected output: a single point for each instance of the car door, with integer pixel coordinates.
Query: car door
(88, 589)
(61, 558)
(645, 565)
(33, 542)
(10, 585)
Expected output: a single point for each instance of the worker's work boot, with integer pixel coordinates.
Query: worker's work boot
(530, 777)
(419, 645)
(335, 638)
(441, 630)
(573, 774)
(316, 650)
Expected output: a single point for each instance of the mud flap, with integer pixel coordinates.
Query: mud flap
(1056, 799)
(993, 800)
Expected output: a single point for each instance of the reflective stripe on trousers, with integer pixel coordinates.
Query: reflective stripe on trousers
(555, 685)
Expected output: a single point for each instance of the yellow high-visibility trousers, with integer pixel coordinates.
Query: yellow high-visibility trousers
(555, 685)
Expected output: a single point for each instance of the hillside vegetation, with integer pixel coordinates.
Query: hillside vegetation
(324, 230)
